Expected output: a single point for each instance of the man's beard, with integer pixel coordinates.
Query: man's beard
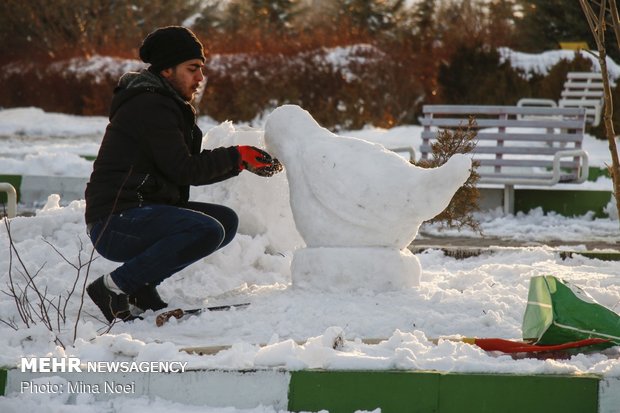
(179, 89)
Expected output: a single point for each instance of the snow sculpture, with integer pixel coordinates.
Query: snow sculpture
(262, 204)
(356, 205)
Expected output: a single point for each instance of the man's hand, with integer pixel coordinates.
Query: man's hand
(258, 161)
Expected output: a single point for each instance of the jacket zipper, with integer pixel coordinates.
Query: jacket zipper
(140, 197)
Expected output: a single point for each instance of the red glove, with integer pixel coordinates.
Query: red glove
(258, 161)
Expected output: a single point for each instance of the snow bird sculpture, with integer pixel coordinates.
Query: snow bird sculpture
(356, 204)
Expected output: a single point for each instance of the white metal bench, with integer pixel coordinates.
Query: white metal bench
(581, 90)
(517, 145)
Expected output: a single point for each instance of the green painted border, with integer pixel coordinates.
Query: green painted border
(16, 181)
(432, 392)
(488, 393)
(567, 203)
(89, 157)
(348, 391)
(595, 172)
(603, 256)
(3, 376)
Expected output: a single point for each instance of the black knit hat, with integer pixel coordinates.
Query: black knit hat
(168, 46)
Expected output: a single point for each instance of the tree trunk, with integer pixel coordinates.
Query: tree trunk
(598, 25)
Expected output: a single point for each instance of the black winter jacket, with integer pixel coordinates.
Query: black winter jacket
(150, 152)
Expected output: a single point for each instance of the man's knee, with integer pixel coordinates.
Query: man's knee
(230, 227)
(206, 237)
(211, 231)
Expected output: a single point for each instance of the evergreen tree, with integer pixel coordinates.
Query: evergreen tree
(275, 16)
(423, 24)
(501, 22)
(372, 16)
(546, 23)
(60, 29)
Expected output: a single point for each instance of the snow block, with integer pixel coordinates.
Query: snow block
(398, 391)
(215, 388)
(339, 391)
(609, 395)
(340, 269)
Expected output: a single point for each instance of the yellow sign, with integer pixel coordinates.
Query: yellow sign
(574, 45)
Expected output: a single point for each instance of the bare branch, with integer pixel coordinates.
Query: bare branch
(615, 20)
(61, 254)
(44, 308)
(11, 323)
(597, 27)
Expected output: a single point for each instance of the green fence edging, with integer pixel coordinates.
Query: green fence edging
(396, 391)
(88, 157)
(566, 203)
(432, 392)
(3, 376)
(348, 391)
(595, 172)
(487, 393)
(603, 256)
(16, 181)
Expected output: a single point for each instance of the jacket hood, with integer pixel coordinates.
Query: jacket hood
(132, 84)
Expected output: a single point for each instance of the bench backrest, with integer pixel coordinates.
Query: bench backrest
(584, 90)
(516, 145)
(583, 85)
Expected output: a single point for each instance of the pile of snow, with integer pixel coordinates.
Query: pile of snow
(541, 63)
(252, 194)
(34, 122)
(35, 142)
(97, 67)
(482, 296)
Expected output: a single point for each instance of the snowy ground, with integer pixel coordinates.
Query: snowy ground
(483, 296)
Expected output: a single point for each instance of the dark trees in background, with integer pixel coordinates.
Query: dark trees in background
(387, 59)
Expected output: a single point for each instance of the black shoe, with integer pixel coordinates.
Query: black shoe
(112, 305)
(147, 298)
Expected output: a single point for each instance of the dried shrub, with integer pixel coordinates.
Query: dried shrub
(459, 213)
(343, 87)
(67, 86)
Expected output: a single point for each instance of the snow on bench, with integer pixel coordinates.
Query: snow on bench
(581, 90)
(516, 145)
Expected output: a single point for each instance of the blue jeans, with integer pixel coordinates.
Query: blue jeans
(155, 241)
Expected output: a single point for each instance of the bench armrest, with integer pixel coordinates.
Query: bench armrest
(11, 209)
(536, 102)
(547, 181)
(571, 153)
